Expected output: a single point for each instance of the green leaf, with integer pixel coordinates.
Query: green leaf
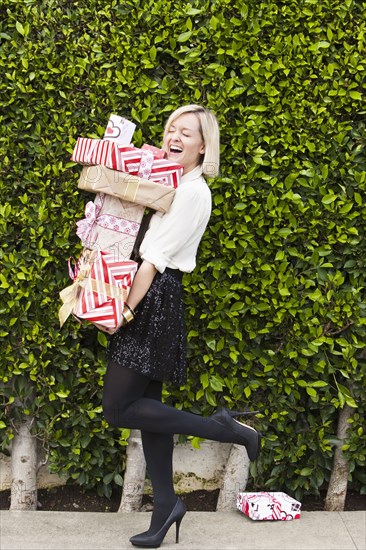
(193, 11)
(328, 199)
(284, 292)
(184, 36)
(19, 27)
(118, 480)
(247, 392)
(355, 95)
(152, 53)
(107, 479)
(306, 471)
(351, 402)
(319, 384)
(285, 232)
(102, 339)
(237, 306)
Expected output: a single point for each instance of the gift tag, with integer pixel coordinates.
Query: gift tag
(120, 130)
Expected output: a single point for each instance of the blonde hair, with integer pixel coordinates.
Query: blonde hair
(210, 132)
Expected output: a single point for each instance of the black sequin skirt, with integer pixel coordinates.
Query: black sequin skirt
(154, 344)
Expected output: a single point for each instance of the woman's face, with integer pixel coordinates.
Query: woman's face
(183, 141)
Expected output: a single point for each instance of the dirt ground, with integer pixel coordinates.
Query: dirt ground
(73, 498)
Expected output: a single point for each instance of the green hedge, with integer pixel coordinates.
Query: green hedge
(276, 307)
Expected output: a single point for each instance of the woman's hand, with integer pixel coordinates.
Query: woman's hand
(105, 329)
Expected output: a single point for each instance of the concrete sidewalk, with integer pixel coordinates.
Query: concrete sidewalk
(199, 531)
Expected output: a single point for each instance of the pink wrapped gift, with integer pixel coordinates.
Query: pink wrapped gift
(110, 224)
(97, 151)
(94, 216)
(158, 153)
(119, 129)
(160, 170)
(100, 289)
(268, 506)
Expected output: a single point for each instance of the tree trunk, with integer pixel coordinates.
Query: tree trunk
(134, 480)
(337, 489)
(235, 478)
(24, 468)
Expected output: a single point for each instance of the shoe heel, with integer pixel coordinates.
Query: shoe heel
(254, 452)
(177, 527)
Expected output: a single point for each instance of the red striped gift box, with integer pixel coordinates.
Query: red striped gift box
(162, 170)
(97, 151)
(105, 290)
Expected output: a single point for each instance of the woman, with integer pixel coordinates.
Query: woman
(150, 347)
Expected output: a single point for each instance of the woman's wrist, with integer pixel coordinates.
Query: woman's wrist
(132, 311)
(128, 315)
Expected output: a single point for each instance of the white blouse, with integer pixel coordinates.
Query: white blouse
(172, 239)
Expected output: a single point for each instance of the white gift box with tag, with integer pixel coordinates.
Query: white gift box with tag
(268, 506)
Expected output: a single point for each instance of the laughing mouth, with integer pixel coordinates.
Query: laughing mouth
(175, 149)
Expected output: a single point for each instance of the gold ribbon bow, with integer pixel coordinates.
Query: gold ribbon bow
(69, 295)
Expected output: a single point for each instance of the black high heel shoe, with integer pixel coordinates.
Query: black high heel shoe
(243, 434)
(154, 541)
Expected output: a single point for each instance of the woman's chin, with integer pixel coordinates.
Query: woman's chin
(173, 157)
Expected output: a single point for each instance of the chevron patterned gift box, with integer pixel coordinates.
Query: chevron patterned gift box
(100, 289)
(157, 169)
(102, 299)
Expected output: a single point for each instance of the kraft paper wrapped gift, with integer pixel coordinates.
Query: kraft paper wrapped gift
(268, 506)
(99, 291)
(110, 224)
(100, 179)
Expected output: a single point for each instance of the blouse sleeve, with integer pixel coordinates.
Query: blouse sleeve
(180, 228)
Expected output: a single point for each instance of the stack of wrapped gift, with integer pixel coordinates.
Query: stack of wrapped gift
(129, 179)
(126, 179)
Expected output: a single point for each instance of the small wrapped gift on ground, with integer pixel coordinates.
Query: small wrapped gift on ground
(268, 506)
(100, 179)
(99, 291)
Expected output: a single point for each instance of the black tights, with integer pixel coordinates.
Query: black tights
(132, 400)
